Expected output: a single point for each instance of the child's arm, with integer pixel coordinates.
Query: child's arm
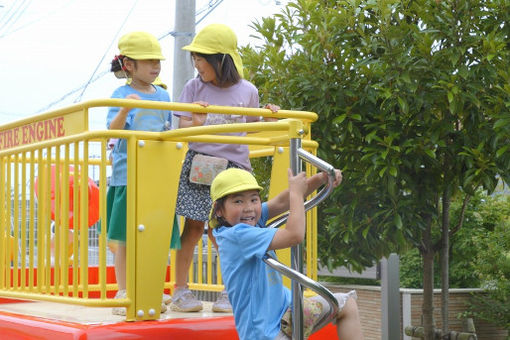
(280, 203)
(119, 121)
(274, 108)
(293, 200)
(196, 119)
(294, 231)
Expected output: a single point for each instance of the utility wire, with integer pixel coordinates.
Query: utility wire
(108, 49)
(18, 12)
(43, 16)
(213, 4)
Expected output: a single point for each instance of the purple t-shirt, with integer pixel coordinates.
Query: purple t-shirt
(243, 94)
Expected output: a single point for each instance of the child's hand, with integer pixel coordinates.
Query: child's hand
(297, 184)
(201, 103)
(274, 108)
(133, 96)
(198, 119)
(338, 178)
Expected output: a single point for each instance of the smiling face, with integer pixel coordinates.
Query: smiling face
(204, 69)
(144, 71)
(243, 207)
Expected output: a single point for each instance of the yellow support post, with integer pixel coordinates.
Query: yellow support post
(279, 182)
(156, 194)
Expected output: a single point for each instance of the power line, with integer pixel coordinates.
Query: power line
(104, 55)
(213, 4)
(18, 12)
(43, 16)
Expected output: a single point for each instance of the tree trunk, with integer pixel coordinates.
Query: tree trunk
(445, 267)
(428, 283)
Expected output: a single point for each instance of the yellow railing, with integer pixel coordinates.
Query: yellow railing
(50, 247)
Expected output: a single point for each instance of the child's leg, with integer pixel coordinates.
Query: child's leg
(192, 232)
(222, 303)
(183, 299)
(348, 323)
(119, 251)
(347, 320)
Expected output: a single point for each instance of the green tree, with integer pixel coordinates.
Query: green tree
(492, 264)
(413, 102)
(482, 216)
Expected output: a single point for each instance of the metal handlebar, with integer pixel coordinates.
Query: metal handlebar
(294, 274)
(308, 283)
(326, 190)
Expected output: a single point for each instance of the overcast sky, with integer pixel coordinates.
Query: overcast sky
(50, 48)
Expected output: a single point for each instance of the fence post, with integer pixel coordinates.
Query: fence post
(390, 296)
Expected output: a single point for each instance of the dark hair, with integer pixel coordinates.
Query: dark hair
(224, 67)
(219, 204)
(118, 63)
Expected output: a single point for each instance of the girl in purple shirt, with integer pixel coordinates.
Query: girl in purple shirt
(219, 82)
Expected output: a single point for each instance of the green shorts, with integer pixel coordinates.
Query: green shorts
(116, 217)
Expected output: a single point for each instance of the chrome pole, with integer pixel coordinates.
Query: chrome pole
(296, 255)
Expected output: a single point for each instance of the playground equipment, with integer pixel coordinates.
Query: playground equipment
(49, 171)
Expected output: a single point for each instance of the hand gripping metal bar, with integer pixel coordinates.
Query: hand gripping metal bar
(321, 196)
(294, 274)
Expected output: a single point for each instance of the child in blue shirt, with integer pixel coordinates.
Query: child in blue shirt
(259, 299)
(139, 60)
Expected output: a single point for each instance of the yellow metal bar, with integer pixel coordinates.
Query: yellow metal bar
(82, 175)
(16, 223)
(40, 206)
(102, 219)
(203, 133)
(31, 227)
(209, 262)
(23, 220)
(218, 271)
(46, 230)
(75, 268)
(8, 216)
(65, 221)
(4, 234)
(58, 251)
(130, 226)
(207, 287)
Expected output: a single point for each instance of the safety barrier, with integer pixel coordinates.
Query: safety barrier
(54, 173)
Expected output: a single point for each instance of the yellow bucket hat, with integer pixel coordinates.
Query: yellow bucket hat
(214, 39)
(229, 182)
(140, 46)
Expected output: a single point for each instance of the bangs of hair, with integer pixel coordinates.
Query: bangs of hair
(224, 68)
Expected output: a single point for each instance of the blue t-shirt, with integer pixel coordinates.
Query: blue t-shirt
(254, 289)
(137, 119)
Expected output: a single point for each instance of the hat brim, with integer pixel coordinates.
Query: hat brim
(213, 222)
(193, 48)
(235, 56)
(146, 57)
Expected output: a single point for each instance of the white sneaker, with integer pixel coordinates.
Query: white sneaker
(121, 294)
(222, 304)
(167, 299)
(183, 300)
